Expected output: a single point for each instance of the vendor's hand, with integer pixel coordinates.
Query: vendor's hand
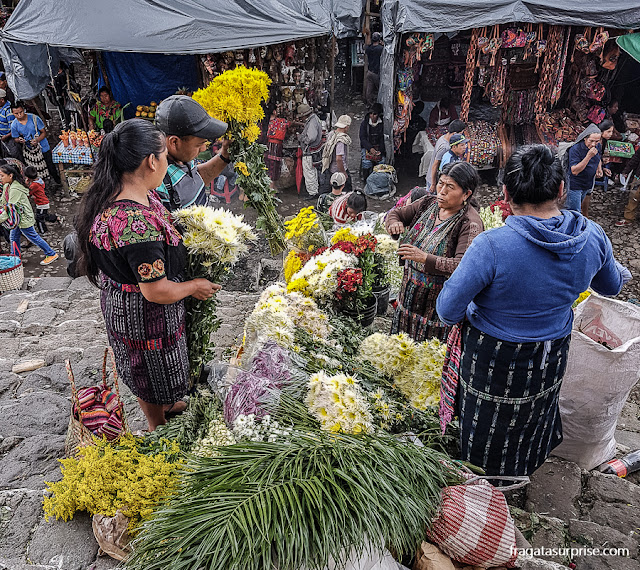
(395, 228)
(592, 152)
(205, 289)
(607, 171)
(225, 144)
(412, 253)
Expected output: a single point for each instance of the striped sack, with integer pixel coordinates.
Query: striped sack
(100, 411)
(474, 526)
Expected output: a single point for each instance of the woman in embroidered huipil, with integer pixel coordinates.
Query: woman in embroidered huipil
(132, 251)
(435, 231)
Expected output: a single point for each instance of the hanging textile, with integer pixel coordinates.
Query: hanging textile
(468, 75)
(557, 88)
(550, 68)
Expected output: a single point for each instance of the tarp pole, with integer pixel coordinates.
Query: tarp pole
(333, 76)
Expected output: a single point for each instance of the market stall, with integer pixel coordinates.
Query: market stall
(538, 79)
(75, 154)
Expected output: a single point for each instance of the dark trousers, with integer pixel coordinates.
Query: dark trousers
(51, 167)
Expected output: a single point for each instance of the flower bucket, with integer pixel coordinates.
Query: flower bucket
(382, 299)
(366, 316)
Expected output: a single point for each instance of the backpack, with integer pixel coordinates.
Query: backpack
(563, 154)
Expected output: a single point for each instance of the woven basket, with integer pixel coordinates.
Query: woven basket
(78, 435)
(12, 278)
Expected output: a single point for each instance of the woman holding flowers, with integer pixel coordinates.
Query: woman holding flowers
(132, 251)
(435, 232)
(516, 285)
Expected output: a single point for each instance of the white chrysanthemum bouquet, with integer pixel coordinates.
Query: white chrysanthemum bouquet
(338, 403)
(215, 239)
(491, 217)
(414, 367)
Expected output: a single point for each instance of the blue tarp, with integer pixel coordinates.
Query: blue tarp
(139, 78)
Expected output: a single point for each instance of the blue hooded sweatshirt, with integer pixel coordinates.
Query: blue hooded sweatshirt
(518, 282)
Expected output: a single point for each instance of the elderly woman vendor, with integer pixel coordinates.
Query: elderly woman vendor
(105, 109)
(515, 286)
(437, 230)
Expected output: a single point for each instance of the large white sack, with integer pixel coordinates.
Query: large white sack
(598, 380)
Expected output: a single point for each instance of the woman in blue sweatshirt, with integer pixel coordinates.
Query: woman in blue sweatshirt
(516, 285)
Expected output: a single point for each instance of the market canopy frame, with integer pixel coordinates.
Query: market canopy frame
(42, 33)
(442, 16)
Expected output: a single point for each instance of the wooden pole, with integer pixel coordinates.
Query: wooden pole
(333, 77)
(366, 30)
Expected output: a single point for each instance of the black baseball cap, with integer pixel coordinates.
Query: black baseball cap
(182, 116)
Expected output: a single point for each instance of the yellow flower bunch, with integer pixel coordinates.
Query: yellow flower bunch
(300, 285)
(338, 404)
(344, 234)
(292, 264)
(581, 298)
(236, 95)
(242, 168)
(415, 368)
(251, 133)
(301, 224)
(104, 479)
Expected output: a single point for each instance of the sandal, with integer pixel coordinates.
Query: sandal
(172, 413)
(623, 223)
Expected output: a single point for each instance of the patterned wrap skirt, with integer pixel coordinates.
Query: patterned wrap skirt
(273, 160)
(415, 311)
(508, 401)
(149, 343)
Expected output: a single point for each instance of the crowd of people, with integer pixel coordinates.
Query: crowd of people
(501, 299)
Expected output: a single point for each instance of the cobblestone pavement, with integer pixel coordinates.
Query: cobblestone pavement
(56, 318)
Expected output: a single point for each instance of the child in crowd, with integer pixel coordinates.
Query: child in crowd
(338, 181)
(458, 143)
(38, 195)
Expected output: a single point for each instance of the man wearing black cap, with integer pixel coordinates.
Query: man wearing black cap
(188, 127)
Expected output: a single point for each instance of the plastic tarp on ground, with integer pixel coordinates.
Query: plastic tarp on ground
(402, 16)
(147, 26)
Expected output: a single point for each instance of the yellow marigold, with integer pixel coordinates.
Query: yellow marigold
(300, 285)
(242, 168)
(251, 133)
(236, 95)
(345, 234)
(292, 264)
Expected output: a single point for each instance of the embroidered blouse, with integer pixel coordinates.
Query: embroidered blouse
(134, 243)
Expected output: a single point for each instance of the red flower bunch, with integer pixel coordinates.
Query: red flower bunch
(319, 251)
(504, 207)
(348, 282)
(365, 242)
(345, 246)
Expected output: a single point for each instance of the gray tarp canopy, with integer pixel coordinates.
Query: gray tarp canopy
(402, 16)
(39, 29)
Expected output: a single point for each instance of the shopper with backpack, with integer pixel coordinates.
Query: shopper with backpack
(584, 165)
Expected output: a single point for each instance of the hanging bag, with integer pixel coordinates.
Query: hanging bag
(495, 44)
(601, 38)
(96, 410)
(11, 270)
